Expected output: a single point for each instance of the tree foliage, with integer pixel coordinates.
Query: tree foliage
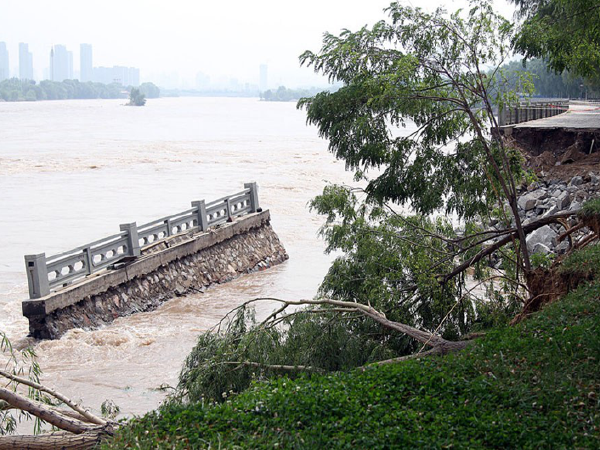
(565, 32)
(428, 70)
(14, 89)
(420, 68)
(546, 82)
(136, 98)
(398, 284)
(21, 363)
(392, 262)
(150, 90)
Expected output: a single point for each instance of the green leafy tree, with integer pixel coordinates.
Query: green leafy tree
(565, 32)
(546, 82)
(430, 70)
(399, 285)
(150, 90)
(136, 98)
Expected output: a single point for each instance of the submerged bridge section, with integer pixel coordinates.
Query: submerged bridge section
(143, 266)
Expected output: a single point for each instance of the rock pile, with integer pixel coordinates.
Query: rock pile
(549, 197)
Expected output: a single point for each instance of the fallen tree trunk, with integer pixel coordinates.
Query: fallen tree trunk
(45, 413)
(439, 345)
(502, 242)
(58, 440)
(87, 416)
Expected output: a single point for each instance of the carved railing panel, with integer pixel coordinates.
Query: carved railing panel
(44, 274)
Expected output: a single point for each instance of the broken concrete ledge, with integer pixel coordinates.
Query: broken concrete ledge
(188, 262)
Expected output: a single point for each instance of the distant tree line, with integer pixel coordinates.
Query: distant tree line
(149, 90)
(283, 94)
(14, 90)
(547, 82)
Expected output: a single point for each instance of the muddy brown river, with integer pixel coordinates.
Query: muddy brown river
(72, 171)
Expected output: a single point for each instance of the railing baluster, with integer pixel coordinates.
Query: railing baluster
(254, 205)
(37, 266)
(228, 206)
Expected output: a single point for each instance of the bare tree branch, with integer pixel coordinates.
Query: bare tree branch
(502, 242)
(85, 413)
(286, 368)
(45, 413)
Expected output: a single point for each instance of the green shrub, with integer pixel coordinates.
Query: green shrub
(535, 385)
(590, 209)
(584, 263)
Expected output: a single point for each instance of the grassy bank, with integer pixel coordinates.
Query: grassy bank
(535, 385)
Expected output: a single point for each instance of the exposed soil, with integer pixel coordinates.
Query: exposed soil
(558, 154)
(555, 154)
(547, 286)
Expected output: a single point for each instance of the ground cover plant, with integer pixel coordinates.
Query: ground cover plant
(534, 385)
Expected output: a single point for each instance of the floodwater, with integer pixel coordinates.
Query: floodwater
(72, 171)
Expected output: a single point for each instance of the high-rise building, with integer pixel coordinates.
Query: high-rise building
(70, 68)
(263, 84)
(59, 63)
(25, 62)
(4, 68)
(85, 60)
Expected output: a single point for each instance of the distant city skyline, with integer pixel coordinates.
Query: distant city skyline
(225, 42)
(61, 67)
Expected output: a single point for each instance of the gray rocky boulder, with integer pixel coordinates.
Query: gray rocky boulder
(545, 235)
(540, 249)
(528, 201)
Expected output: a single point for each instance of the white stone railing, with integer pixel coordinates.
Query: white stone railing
(57, 271)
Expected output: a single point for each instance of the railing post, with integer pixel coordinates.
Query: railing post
(37, 275)
(88, 260)
(254, 205)
(228, 206)
(202, 219)
(133, 242)
(169, 227)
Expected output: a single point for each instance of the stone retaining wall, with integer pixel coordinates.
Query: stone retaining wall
(198, 261)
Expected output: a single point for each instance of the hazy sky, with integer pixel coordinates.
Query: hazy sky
(229, 38)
